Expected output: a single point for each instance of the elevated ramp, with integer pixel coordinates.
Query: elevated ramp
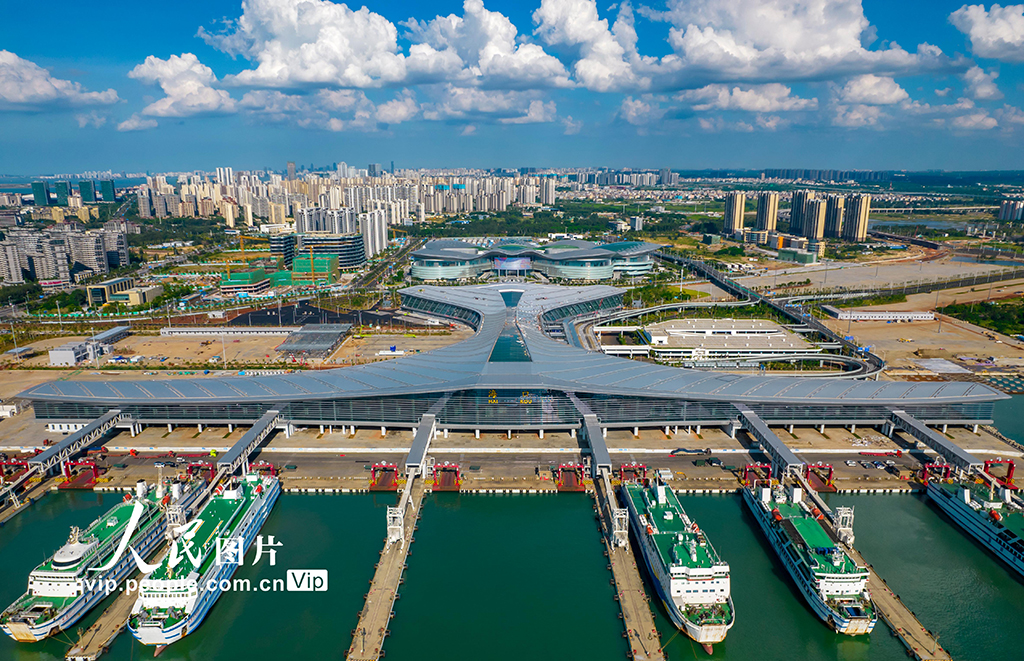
(416, 460)
(240, 451)
(75, 442)
(417, 457)
(782, 457)
(948, 450)
(594, 436)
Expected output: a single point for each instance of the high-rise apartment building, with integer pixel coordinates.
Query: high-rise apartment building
(145, 205)
(87, 190)
(107, 190)
(547, 191)
(40, 193)
(291, 170)
(88, 251)
(735, 204)
(63, 191)
(834, 209)
(373, 225)
(767, 211)
(855, 222)
(10, 263)
(796, 212)
(814, 218)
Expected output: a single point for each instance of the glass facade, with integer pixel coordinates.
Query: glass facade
(513, 409)
(439, 309)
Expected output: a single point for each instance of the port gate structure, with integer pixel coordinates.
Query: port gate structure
(516, 374)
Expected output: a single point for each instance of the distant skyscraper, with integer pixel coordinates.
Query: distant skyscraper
(63, 190)
(767, 211)
(855, 222)
(41, 193)
(145, 205)
(814, 218)
(796, 212)
(291, 170)
(547, 191)
(375, 169)
(665, 176)
(225, 176)
(88, 191)
(834, 205)
(107, 190)
(734, 207)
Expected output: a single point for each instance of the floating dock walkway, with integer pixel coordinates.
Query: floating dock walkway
(372, 628)
(637, 619)
(95, 640)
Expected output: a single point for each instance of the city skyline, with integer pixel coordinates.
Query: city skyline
(561, 83)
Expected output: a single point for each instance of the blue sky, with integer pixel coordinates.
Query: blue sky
(564, 83)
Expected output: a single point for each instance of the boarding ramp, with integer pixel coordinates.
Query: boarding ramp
(594, 435)
(77, 441)
(417, 457)
(239, 453)
(416, 460)
(948, 450)
(783, 459)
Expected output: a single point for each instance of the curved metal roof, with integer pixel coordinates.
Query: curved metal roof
(554, 366)
(556, 251)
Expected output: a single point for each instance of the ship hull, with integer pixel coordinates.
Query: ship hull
(210, 583)
(23, 632)
(145, 543)
(707, 634)
(975, 524)
(844, 625)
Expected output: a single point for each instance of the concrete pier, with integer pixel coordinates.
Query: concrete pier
(372, 628)
(637, 619)
(95, 640)
(920, 643)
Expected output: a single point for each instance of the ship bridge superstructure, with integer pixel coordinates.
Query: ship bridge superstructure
(511, 374)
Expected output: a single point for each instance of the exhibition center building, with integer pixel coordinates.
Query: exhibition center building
(449, 259)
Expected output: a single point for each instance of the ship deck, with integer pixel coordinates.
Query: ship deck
(811, 541)
(1012, 520)
(99, 529)
(218, 518)
(667, 531)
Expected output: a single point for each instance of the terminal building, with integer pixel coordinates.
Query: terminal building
(448, 259)
(512, 375)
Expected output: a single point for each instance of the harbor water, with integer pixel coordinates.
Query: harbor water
(524, 576)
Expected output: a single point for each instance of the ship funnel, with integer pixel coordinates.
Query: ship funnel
(176, 490)
(141, 489)
(796, 494)
(662, 495)
(766, 494)
(1006, 494)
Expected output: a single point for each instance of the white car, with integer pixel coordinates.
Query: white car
(851, 463)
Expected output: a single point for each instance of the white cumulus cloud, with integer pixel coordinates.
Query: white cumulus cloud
(537, 112)
(772, 97)
(641, 111)
(187, 85)
(483, 45)
(873, 90)
(856, 116)
(981, 85)
(784, 40)
(136, 123)
(25, 84)
(91, 118)
(978, 121)
(997, 33)
(398, 110)
(601, 53)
